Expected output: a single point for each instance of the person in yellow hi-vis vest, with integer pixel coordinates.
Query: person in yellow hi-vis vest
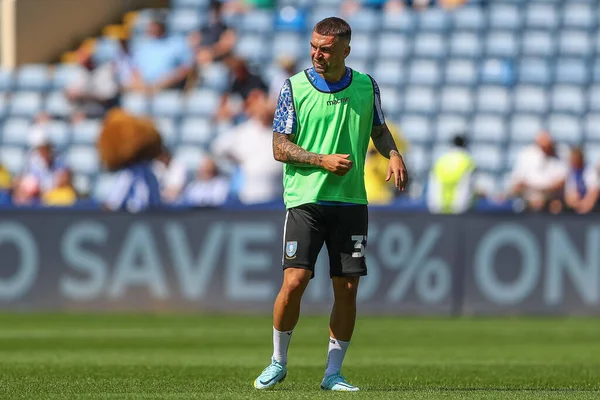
(450, 188)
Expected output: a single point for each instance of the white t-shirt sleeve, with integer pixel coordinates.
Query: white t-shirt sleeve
(591, 178)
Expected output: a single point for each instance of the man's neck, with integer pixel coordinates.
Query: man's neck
(334, 76)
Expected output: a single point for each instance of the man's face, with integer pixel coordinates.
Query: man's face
(46, 152)
(328, 52)
(155, 30)
(576, 160)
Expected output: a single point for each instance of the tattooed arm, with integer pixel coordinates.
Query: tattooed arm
(288, 152)
(384, 143)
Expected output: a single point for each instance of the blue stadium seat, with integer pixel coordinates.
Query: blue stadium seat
(487, 182)
(190, 157)
(514, 151)
(215, 76)
(391, 100)
(6, 80)
(184, 21)
(26, 104)
(106, 49)
(501, 44)
(82, 183)
(488, 128)
(65, 74)
(13, 158)
(579, 15)
(542, 16)
(168, 130)
(568, 98)
(575, 44)
(87, 131)
(592, 153)
(496, 72)
(469, 17)
(565, 128)
(420, 100)
(493, 99)
(433, 19)
(424, 72)
(59, 133)
(456, 100)
(538, 43)
(504, 16)
(257, 21)
(416, 128)
(487, 157)
(15, 131)
(530, 99)
(572, 70)
(321, 12)
(135, 103)
(168, 103)
(388, 73)
(365, 21)
(465, 44)
(392, 46)
(362, 47)
(83, 159)
(400, 22)
(196, 4)
(290, 45)
(417, 159)
(535, 71)
(103, 186)
(593, 99)
(432, 45)
(197, 131)
(449, 125)
(252, 47)
(291, 18)
(201, 102)
(592, 127)
(524, 127)
(3, 106)
(461, 72)
(33, 77)
(58, 105)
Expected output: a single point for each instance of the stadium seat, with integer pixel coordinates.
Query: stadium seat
(416, 128)
(6, 80)
(168, 130)
(592, 153)
(532, 99)
(363, 47)
(487, 157)
(524, 127)
(215, 76)
(82, 183)
(103, 186)
(25, 104)
(420, 100)
(469, 17)
(13, 158)
(15, 132)
(417, 159)
(565, 128)
(496, 72)
(465, 44)
(143, 19)
(579, 15)
(33, 77)
(456, 100)
(433, 19)
(184, 21)
(3, 106)
(488, 128)
(534, 70)
(135, 103)
(58, 105)
(399, 22)
(513, 153)
(462, 72)
(504, 16)
(290, 45)
(320, 12)
(190, 157)
(59, 133)
(449, 125)
(493, 99)
(87, 131)
(593, 99)
(168, 103)
(501, 44)
(365, 21)
(538, 44)
(572, 70)
(430, 45)
(83, 159)
(106, 49)
(592, 127)
(257, 21)
(64, 74)
(541, 16)
(194, 4)
(575, 44)
(424, 72)
(568, 98)
(201, 102)
(388, 73)
(252, 48)
(399, 50)
(197, 131)
(391, 101)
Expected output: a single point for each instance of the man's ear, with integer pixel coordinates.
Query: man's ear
(347, 52)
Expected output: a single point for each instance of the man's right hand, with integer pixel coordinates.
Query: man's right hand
(338, 164)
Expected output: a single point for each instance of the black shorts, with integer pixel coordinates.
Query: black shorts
(343, 229)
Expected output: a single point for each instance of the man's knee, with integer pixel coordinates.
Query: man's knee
(295, 280)
(345, 288)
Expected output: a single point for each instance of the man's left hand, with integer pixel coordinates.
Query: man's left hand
(397, 168)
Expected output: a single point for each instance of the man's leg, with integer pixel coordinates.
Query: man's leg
(341, 323)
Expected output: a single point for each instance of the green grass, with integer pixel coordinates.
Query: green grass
(47, 356)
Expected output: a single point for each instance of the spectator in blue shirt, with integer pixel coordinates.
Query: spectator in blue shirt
(161, 61)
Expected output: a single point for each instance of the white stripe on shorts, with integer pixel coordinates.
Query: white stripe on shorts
(287, 213)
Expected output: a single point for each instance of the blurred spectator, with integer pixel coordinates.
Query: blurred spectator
(216, 40)
(43, 163)
(286, 67)
(63, 194)
(450, 186)
(244, 85)
(243, 6)
(26, 191)
(351, 7)
(539, 175)
(5, 179)
(136, 189)
(582, 188)
(162, 62)
(171, 175)
(378, 190)
(250, 147)
(210, 188)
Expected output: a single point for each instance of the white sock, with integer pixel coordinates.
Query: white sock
(281, 342)
(335, 356)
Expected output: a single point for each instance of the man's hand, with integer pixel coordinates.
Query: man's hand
(397, 168)
(338, 164)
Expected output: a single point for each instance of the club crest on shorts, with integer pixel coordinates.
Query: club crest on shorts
(290, 249)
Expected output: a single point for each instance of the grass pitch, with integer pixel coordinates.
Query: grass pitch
(48, 356)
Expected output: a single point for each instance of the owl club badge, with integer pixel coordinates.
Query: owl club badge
(290, 250)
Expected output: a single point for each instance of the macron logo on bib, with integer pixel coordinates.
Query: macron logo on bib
(338, 101)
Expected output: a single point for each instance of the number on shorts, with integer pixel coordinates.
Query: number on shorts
(359, 244)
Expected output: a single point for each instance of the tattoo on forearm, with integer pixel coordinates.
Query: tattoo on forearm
(383, 141)
(286, 151)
